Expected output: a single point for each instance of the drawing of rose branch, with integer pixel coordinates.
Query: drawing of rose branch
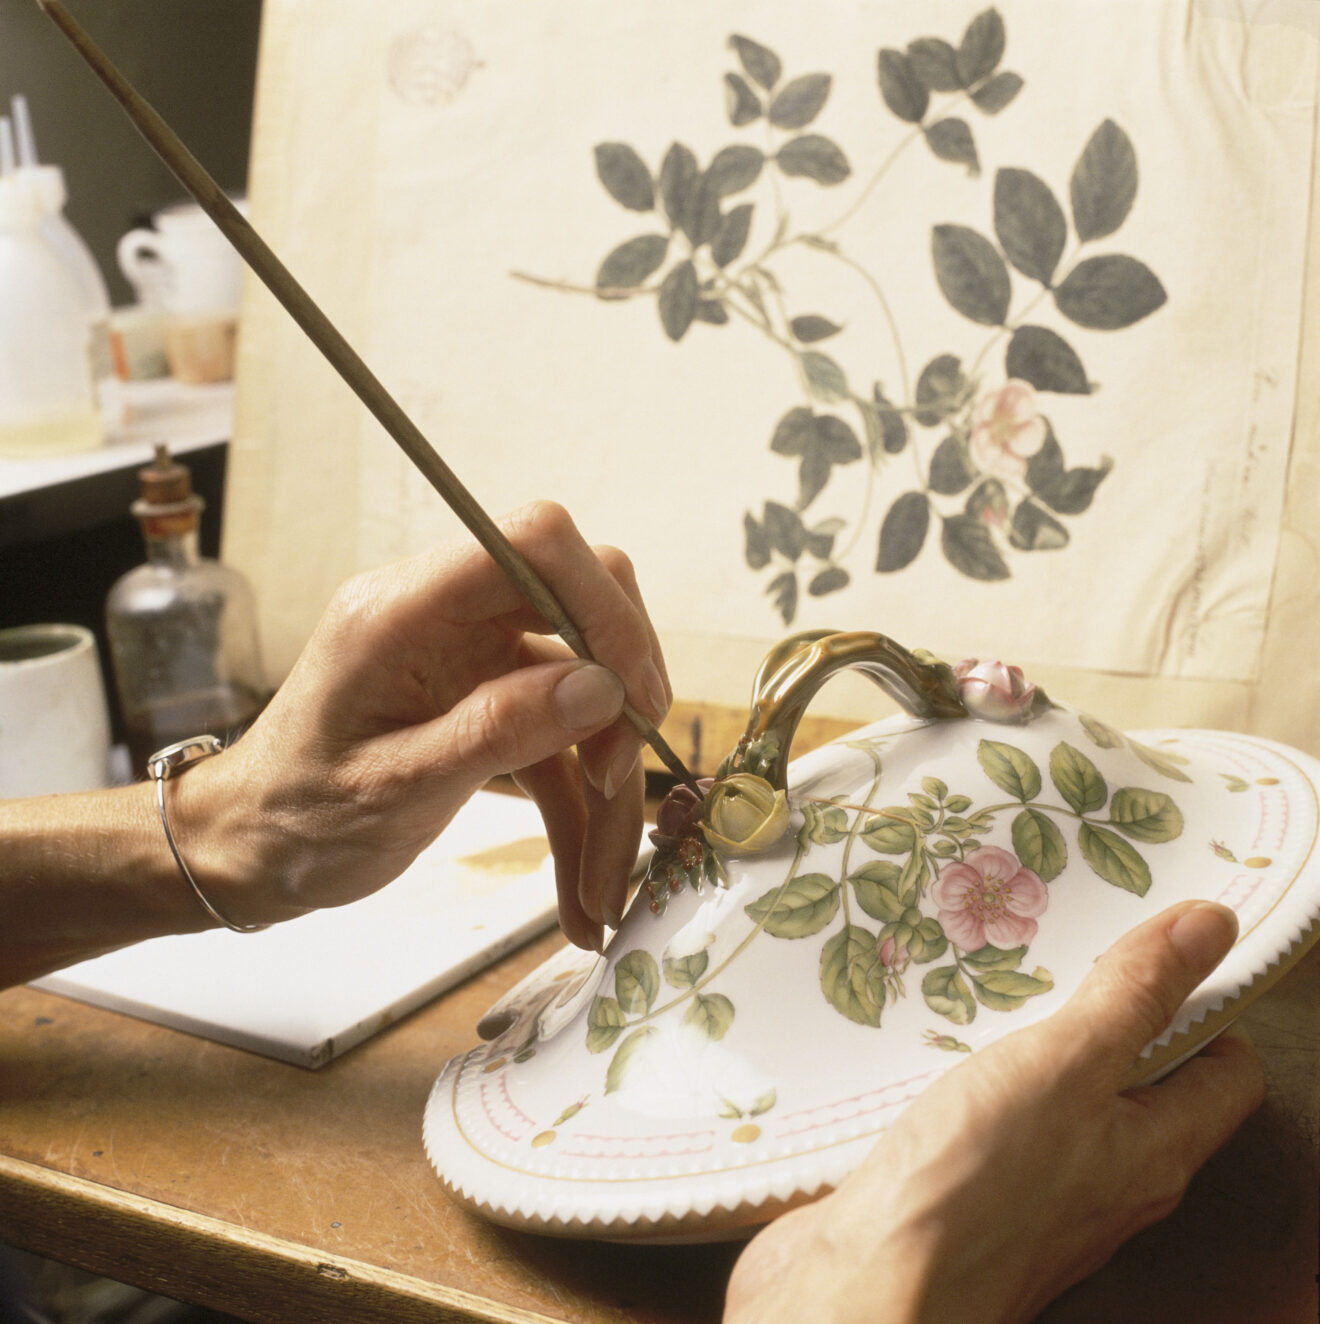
(965, 448)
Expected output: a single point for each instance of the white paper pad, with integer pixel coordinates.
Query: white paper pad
(310, 989)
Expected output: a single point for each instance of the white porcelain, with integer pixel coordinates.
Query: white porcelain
(738, 1052)
(184, 265)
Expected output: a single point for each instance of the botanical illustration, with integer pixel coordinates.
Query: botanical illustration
(954, 453)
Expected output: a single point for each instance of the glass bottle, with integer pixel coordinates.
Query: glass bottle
(182, 628)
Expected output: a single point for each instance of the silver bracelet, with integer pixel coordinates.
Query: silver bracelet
(166, 763)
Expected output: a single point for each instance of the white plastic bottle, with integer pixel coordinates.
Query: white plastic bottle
(48, 401)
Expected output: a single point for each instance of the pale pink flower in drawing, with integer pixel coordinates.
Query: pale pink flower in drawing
(1006, 430)
(990, 897)
(893, 956)
(992, 690)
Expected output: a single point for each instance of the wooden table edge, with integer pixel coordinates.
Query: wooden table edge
(214, 1263)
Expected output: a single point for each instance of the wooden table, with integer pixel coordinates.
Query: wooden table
(216, 1176)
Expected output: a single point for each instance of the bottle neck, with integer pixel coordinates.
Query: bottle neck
(176, 550)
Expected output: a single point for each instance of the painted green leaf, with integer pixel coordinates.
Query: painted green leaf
(756, 545)
(950, 470)
(848, 964)
(605, 1021)
(711, 1013)
(972, 275)
(982, 47)
(1104, 736)
(1078, 779)
(1104, 182)
(1044, 358)
(678, 300)
(823, 824)
(830, 580)
(794, 432)
(1039, 844)
(951, 139)
(636, 981)
(760, 62)
(731, 238)
(877, 888)
(734, 169)
(783, 592)
(625, 1057)
(741, 104)
(825, 377)
(713, 312)
(1114, 859)
(886, 837)
(1067, 491)
(632, 262)
(684, 971)
(1165, 763)
(1034, 530)
(625, 176)
(947, 994)
(1109, 293)
(903, 91)
(997, 92)
(903, 532)
(1029, 223)
(968, 547)
(799, 908)
(679, 173)
(813, 156)
(1145, 815)
(995, 958)
(1005, 990)
(935, 64)
(810, 328)
(913, 876)
(892, 426)
(800, 101)
(988, 503)
(941, 390)
(1010, 768)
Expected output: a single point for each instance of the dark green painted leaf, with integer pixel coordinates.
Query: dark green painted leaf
(1145, 815)
(836, 439)
(972, 275)
(1032, 530)
(1045, 359)
(1010, 768)
(885, 836)
(890, 429)
(941, 390)
(996, 93)
(825, 377)
(625, 176)
(800, 101)
(731, 238)
(1006, 990)
(1108, 293)
(711, 1013)
(795, 432)
(734, 169)
(1104, 182)
(684, 971)
(1067, 491)
(1161, 760)
(988, 503)
(636, 981)
(1039, 844)
(741, 104)
(847, 965)
(877, 889)
(1078, 779)
(801, 907)
(605, 1021)
(1029, 223)
(820, 540)
(989, 957)
(947, 994)
(903, 532)
(809, 328)
(622, 1062)
(950, 470)
(904, 92)
(968, 547)
(713, 312)
(629, 265)
(951, 140)
(784, 528)
(701, 217)
(679, 173)
(814, 157)
(830, 580)
(756, 545)
(981, 48)
(1114, 859)
(935, 63)
(783, 592)
(678, 300)
(760, 62)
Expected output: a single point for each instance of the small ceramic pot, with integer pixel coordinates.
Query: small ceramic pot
(819, 940)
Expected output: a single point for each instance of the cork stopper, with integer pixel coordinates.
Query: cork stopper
(166, 504)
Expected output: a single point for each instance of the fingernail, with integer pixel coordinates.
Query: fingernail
(1203, 934)
(588, 696)
(655, 689)
(619, 771)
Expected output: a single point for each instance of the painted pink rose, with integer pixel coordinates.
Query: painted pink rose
(1006, 430)
(989, 897)
(992, 690)
(893, 956)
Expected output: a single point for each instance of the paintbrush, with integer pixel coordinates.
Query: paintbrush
(344, 359)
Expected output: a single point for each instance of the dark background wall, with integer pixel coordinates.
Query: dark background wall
(194, 60)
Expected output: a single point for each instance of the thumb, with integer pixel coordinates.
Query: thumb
(525, 716)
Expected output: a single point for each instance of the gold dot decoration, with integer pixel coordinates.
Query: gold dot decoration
(1258, 862)
(494, 1065)
(542, 1139)
(745, 1134)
